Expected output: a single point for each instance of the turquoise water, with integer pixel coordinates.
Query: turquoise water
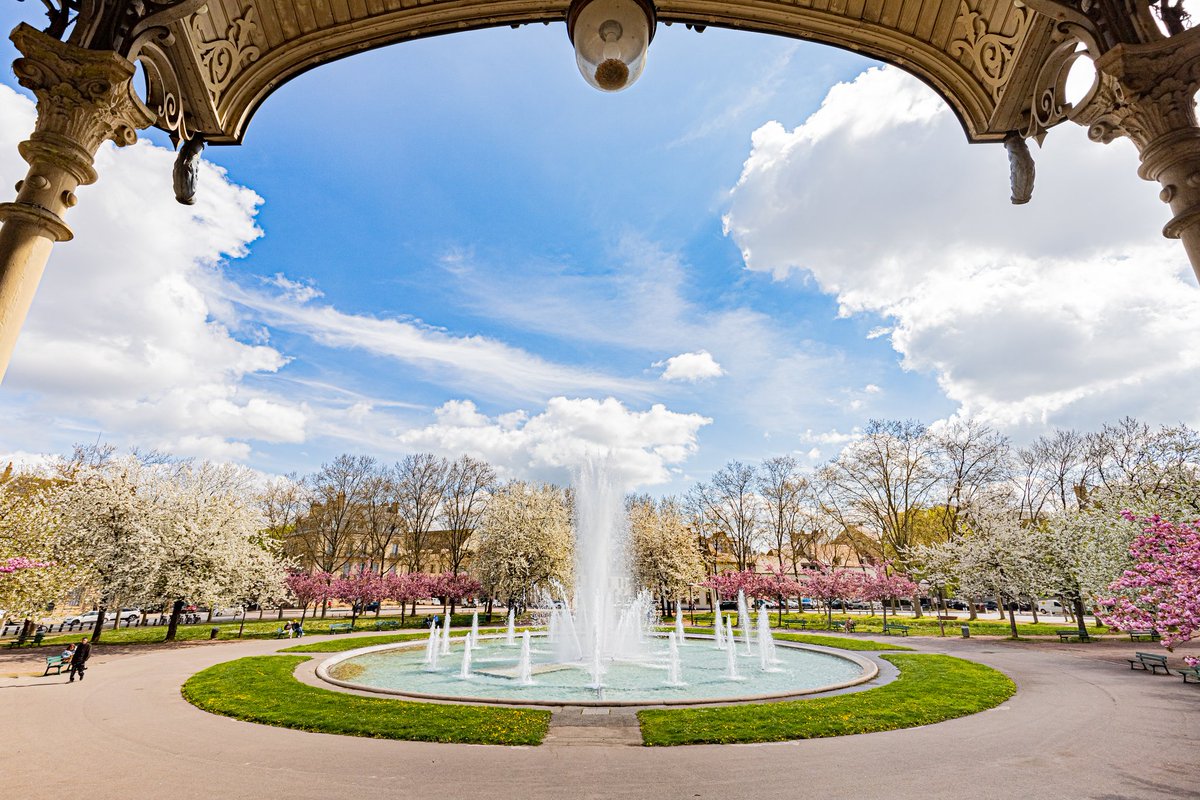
(494, 673)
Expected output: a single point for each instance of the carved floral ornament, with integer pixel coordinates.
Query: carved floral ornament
(991, 54)
(223, 58)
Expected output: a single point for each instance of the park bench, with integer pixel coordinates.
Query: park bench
(56, 663)
(1067, 634)
(1149, 635)
(387, 625)
(1151, 662)
(796, 623)
(36, 641)
(837, 625)
(891, 628)
(341, 627)
(1190, 672)
(280, 633)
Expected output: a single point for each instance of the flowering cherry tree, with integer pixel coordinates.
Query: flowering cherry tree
(456, 587)
(309, 589)
(779, 585)
(358, 589)
(829, 585)
(879, 586)
(1161, 590)
(406, 588)
(728, 584)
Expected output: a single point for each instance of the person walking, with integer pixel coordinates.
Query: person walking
(79, 659)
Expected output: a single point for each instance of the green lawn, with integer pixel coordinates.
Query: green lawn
(262, 689)
(255, 629)
(931, 688)
(926, 626)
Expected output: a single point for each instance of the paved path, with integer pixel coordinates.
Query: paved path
(1081, 726)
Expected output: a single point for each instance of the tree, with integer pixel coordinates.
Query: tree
(665, 557)
(524, 543)
(1161, 590)
(420, 489)
(831, 585)
(731, 508)
(358, 590)
(999, 556)
(975, 465)
(406, 588)
(469, 482)
(310, 589)
(782, 489)
(882, 587)
(329, 535)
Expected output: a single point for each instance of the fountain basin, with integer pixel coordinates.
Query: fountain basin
(399, 670)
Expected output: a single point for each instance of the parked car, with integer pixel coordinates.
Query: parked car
(729, 605)
(128, 616)
(956, 604)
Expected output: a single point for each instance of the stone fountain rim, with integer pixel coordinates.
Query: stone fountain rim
(870, 672)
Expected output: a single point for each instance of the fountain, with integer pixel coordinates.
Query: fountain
(674, 678)
(525, 665)
(731, 671)
(602, 644)
(744, 619)
(464, 671)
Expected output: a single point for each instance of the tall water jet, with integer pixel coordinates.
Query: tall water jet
(674, 678)
(766, 644)
(446, 636)
(678, 622)
(744, 619)
(474, 640)
(432, 646)
(731, 671)
(512, 626)
(464, 671)
(525, 665)
(718, 628)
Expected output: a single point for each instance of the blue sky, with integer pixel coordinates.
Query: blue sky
(461, 220)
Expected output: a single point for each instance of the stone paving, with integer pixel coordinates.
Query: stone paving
(1082, 725)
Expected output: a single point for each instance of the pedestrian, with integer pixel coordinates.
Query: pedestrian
(298, 628)
(79, 659)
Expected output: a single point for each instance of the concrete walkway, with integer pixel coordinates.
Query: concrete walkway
(1082, 725)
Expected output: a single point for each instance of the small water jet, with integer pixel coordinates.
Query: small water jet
(464, 671)
(445, 636)
(474, 640)
(766, 645)
(678, 622)
(718, 629)
(431, 649)
(512, 626)
(525, 665)
(674, 678)
(744, 620)
(731, 671)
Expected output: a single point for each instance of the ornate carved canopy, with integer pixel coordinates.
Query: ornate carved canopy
(1000, 64)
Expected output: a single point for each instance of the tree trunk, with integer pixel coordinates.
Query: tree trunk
(973, 614)
(884, 604)
(941, 596)
(211, 611)
(1012, 618)
(1033, 608)
(99, 627)
(173, 624)
(324, 608)
(1079, 612)
(916, 607)
(303, 611)
(26, 629)
(242, 627)
(353, 615)
(780, 598)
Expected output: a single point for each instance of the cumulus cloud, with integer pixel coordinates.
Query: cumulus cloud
(690, 367)
(643, 446)
(122, 337)
(1067, 311)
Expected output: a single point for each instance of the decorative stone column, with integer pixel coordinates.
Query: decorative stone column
(1148, 94)
(83, 98)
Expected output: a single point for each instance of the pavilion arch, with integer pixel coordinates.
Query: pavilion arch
(210, 66)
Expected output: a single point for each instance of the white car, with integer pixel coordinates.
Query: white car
(1049, 607)
(128, 617)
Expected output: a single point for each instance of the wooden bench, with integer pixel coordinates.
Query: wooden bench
(387, 625)
(341, 627)
(837, 625)
(799, 623)
(1192, 673)
(1067, 634)
(1149, 635)
(1151, 662)
(35, 642)
(891, 628)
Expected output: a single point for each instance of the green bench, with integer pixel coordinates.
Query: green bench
(35, 642)
(1192, 673)
(1067, 634)
(56, 663)
(891, 628)
(341, 627)
(799, 623)
(837, 625)
(1151, 662)
(387, 625)
(1149, 635)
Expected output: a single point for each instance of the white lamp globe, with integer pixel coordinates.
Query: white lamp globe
(610, 38)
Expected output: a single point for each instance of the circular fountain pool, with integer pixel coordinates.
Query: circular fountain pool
(495, 675)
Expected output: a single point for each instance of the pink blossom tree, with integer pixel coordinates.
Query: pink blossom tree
(358, 589)
(879, 586)
(727, 584)
(407, 588)
(457, 587)
(829, 585)
(779, 585)
(10, 565)
(309, 588)
(1161, 591)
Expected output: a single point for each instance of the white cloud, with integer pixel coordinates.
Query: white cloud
(690, 367)
(122, 338)
(644, 446)
(1067, 311)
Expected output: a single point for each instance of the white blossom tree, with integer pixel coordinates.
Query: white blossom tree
(666, 558)
(524, 543)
